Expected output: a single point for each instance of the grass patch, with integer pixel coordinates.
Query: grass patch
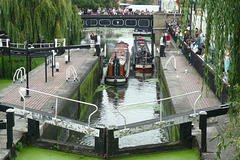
(4, 83)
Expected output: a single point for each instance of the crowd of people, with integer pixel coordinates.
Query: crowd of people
(196, 42)
(114, 11)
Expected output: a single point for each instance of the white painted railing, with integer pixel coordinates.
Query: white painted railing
(18, 45)
(6, 41)
(160, 100)
(175, 62)
(68, 73)
(58, 44)
(33, 45)
(16, 74)
(22, 91)
(41, 45)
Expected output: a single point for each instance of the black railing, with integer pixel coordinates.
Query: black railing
(198, 63)
(172, 33)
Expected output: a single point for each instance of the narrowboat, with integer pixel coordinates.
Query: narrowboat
(118, 65)
(142, 57)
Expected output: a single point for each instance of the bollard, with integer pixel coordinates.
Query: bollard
(57, 66)
(100, 142)
(97, 50)
(33, 131)
(10, 124)
(66, 59)
(186, 133)
(111, 142)
(203, 127)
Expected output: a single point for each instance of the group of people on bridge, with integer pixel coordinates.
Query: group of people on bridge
(114, 11)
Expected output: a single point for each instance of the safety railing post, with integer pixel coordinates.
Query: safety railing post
(111, 142)
(10, 125)
(203, 127)
(100, 142)
(56, 107)
(186, 133)
(33, 131)
(160, 111)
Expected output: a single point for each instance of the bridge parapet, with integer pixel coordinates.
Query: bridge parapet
(118, 21)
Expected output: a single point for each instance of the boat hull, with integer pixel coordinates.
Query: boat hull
(116, 81)
(143, 67)
(142, 58)
(118, 66)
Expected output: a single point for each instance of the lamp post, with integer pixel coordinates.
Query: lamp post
(27, 55)
(68, 41)
(160, 5)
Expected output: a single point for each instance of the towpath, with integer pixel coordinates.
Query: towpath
(186, 79)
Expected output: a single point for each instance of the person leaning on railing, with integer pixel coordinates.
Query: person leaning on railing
(225, 78)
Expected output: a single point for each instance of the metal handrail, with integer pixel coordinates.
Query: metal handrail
(23, 90)
(181, 95)
(22, 74)
(41, 44)
(68, 70)
(16, 74)
(18, 44)
(175, 62)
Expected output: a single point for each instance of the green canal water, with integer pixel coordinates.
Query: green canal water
(32, 153)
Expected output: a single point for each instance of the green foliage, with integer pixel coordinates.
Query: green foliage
(41, 18)
(9, 65)
(141, 2)
(223, 22)
(68, 149)
(19, 146)
(4, 83)
(57, 147)
(95, 4)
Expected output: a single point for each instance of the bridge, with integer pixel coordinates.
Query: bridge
(155, 22)
(118, 21)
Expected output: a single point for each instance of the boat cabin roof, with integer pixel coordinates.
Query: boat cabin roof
(120, 51)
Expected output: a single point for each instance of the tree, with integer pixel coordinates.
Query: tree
(142, 2)
(95, 4)
(223, 26)
(41, 18)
